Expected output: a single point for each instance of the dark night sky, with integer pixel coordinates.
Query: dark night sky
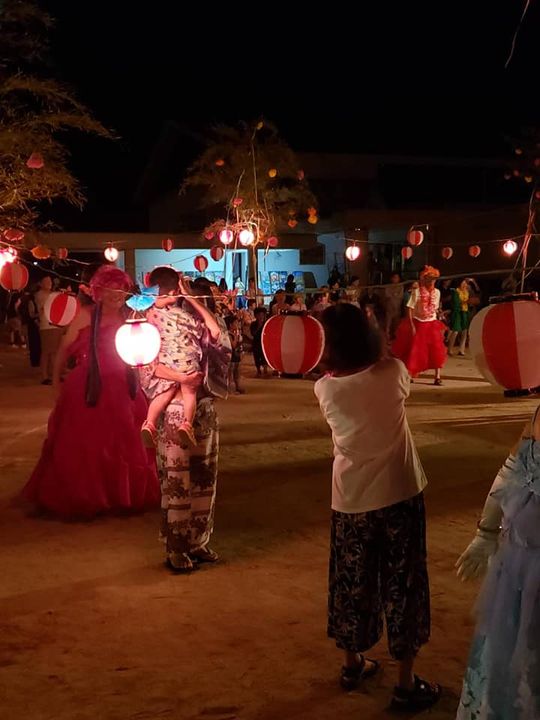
(405, 80)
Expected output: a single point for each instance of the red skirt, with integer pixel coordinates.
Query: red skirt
(422, 351)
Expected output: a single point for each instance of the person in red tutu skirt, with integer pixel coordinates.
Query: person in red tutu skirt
(93, 460)
(419, 338)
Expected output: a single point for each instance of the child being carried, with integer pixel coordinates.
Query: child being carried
(181, 335)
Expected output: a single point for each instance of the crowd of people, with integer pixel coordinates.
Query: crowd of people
(122, 441)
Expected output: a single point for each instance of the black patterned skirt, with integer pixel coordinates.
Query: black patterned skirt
(378, 570)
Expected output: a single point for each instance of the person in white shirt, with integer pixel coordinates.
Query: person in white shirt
(419, 339)
(378, 557)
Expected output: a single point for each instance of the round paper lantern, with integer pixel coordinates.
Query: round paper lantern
(41, 252)
(518, 151)
(35, 161)
(516, 173)
(137, 342)
(528, 178)
(507, 175)
(62, 253)
(415, 237)
(14, 235)
(510, 247)
(505, 345)
(352, 253)
(209, 236)
(292, 223)
(60, 308)
(447, 253)
(272, 173)
(200, 263)
(14, 276)
(475, 250)
(406, 253)
(220, 162)
(226, 237)
(217, 252)
(313, 219)
(167, 244)
(111, 253)
(272, 241)
(293, 344)
(237, 202)
(246, 238)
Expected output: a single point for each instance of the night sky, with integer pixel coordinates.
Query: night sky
(404, 80)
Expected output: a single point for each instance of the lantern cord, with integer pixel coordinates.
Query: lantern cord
(514, 39)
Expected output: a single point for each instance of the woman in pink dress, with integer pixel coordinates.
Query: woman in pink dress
(93, 460)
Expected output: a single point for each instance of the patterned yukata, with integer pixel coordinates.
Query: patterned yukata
(181, 336)
(188, 479)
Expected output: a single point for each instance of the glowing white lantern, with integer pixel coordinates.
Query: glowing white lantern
(137, 342)
(111, 253)
(246, 238)
(226, 237)
(510, 247)
(352, 253)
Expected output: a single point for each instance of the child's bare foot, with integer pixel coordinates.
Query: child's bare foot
(186, 434)
(149, 434)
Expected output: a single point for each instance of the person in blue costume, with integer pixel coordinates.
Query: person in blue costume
(502, 680)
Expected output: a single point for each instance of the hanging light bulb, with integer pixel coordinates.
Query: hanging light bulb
(246, 238)
(510, 247)
(226, 236)
(111, 253)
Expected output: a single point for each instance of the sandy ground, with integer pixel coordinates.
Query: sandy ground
(93, 627)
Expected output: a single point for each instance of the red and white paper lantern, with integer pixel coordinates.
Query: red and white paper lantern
(62, 253)
(475, 250)
(226, 236)
(406, 253)
(14, 276)
(216, 253)
(111, 253)
(14, 235)
(35, 161)
(61, 308)
(167, 244)
(200, 263)
(293, 344)
(137, 342)
(272, 241)
(447, 253)
(415, 237)
(352, 253)
(505, 345)
(246, 238)
(510, 247)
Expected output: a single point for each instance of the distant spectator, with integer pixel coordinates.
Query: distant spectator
(235, 337)
(279, 303)
(393, 296)
(290, 289)
(320, 304)
(256, 333)
(30, 320)
(299, 305)
(49, 334)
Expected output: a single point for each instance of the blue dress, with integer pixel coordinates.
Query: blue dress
(502, 681)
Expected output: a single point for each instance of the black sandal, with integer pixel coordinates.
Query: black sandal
(351, 677)
(423, 696)
(438, 382)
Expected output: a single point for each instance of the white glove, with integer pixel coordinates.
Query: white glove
(474, 561)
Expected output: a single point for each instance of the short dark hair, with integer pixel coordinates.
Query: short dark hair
(203, 286)
(229, 320)
(165, 277)
(259, 311)
(351, 340)
(251, 302)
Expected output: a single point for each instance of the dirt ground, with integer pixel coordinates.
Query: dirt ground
(93, 626)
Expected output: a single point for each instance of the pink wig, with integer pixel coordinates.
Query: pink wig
(108, 277)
